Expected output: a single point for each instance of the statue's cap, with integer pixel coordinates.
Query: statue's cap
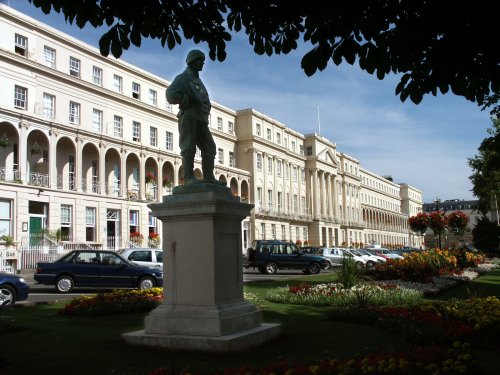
(193, 55)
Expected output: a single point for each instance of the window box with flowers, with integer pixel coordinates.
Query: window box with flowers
(150, 178)
(4, 142)
(167, 183)
(154, 240)
(136, 237)
(132, 194)
(298, 243)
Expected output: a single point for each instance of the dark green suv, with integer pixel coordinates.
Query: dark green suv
(270, 255)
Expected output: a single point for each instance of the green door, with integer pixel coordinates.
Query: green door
(35, 231)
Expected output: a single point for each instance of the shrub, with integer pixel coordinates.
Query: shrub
(115, 302)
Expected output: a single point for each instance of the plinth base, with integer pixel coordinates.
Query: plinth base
(235, 342)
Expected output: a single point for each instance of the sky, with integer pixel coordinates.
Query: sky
(424, 145)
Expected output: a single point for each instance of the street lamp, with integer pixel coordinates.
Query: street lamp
(436, 202)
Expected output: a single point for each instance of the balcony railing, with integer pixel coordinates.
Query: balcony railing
(9, 174)
(38, 179)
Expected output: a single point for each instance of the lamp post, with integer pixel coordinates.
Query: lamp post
(436, 202)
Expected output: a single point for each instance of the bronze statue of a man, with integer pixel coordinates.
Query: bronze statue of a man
(188, 91)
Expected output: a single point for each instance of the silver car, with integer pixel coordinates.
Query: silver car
(152, 258)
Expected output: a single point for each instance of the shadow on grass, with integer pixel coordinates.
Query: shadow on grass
(54, 344)
(483, 286)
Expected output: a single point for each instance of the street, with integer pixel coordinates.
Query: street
(47, 293)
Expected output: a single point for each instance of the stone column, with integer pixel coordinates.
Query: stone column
(316, 194)
(203, 306)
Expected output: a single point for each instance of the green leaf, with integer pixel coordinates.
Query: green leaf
(104, 43)
(308, 63)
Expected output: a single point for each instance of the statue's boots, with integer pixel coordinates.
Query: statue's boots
(188, 166)
(208, 173)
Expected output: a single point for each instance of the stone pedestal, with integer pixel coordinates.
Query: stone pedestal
(203, 306)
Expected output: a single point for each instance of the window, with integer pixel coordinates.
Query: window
(270, 199)
(21, 97)
(74, 113)
(230, 127)
(97, 76)
(50, 57)
(231, 159)
(97, 120)
(219, 123)
(153, 97)
(263, 231)
(270, 165)
(279, 166)
(294, 174)
(278, 138)
(303, 176)
(220, 155)
(117, 83)
(21, 45)
(303, 205)
(280, 200)
(49, 102)
(269, 134)
(169, 141)
(134, 221)
(74, 67)
(259, 196)
(295, 203)
(66, 221)
(259, 162)
(293, 146)
(168, 106)
(136, 131)
(257, 129)
(283, 233)
(151, 223)
(304, 233)
(136, 90)
(309, 151)
(5, 218)
(301, 147)
(90, 224)
(153, 136)
(117, 126)
(71, 172)
(273, 231)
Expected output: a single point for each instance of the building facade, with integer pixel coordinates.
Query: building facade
(448, 239)
(86, 142)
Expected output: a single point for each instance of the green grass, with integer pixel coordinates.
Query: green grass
(47, 343)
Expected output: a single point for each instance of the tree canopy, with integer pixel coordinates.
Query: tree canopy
(486, 168)
(433, 45)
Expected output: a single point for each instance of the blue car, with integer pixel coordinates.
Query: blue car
(96, 268)
(12, 288)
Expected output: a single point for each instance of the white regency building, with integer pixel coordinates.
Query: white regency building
(86, 142)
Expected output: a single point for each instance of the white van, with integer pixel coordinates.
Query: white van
(152, 258)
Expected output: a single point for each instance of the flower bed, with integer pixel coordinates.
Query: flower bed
(336, 295)
(121, 301)
(456, 359)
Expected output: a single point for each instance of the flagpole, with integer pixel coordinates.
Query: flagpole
(319, 122)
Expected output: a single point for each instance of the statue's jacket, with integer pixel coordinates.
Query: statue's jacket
(190, 93)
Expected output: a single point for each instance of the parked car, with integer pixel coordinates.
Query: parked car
(12, 288)
(96, 268)
(383, 252)
(310, 249)
(376, 258)
(371, 260)
(335, 255)
(270, 255)
(144, 256)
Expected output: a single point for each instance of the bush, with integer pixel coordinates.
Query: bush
(115, 302)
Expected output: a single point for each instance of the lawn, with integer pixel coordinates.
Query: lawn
(48, 343)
